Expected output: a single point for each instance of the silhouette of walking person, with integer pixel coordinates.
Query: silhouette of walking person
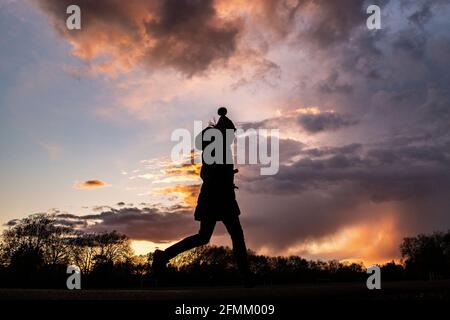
(216, 202)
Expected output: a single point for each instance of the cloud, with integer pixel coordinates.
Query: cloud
(323, 22)
(360, 241)
(382, 173)
(310, 119)
(330, 22)
(186, 169)
(332, 85)
(188, 193)
(90, 184)
(158, 225)
(355, 187)
(187, 35)
(192, 36)
(422, 10)
(165, 171)
(328, 121)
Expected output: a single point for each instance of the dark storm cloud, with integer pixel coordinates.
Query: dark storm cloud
(152, 224)
(289, 148)
(334, 21)
(327, 121)
(393, 78)
(327, 22)
(411, 43)
(309, 122)
(422, 10)
(190, 35)
(382, 173)
(326, 151)
(187, 35)
(421, 16)
(330, 188)
(332, 85)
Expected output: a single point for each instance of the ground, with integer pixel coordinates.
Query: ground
(339, 300)
(414, 290)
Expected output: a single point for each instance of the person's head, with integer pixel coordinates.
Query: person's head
(222, 111)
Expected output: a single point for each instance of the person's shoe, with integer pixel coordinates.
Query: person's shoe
(159, 261)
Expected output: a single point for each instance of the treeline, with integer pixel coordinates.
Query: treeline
(35, 252)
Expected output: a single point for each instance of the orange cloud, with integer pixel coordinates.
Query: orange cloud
(182, 180)
(369, 242)
(188, 193)
(186, 169)
(116, 35)
(168, 172)
(90, 184)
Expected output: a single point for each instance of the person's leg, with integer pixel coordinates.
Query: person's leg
(202, 237)
(234, 228)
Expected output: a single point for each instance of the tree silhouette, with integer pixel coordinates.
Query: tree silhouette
(38, 248)
(427, 256)
(35, 252)
(38, 234)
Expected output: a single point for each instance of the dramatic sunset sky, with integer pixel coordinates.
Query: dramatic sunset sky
(86, 117)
